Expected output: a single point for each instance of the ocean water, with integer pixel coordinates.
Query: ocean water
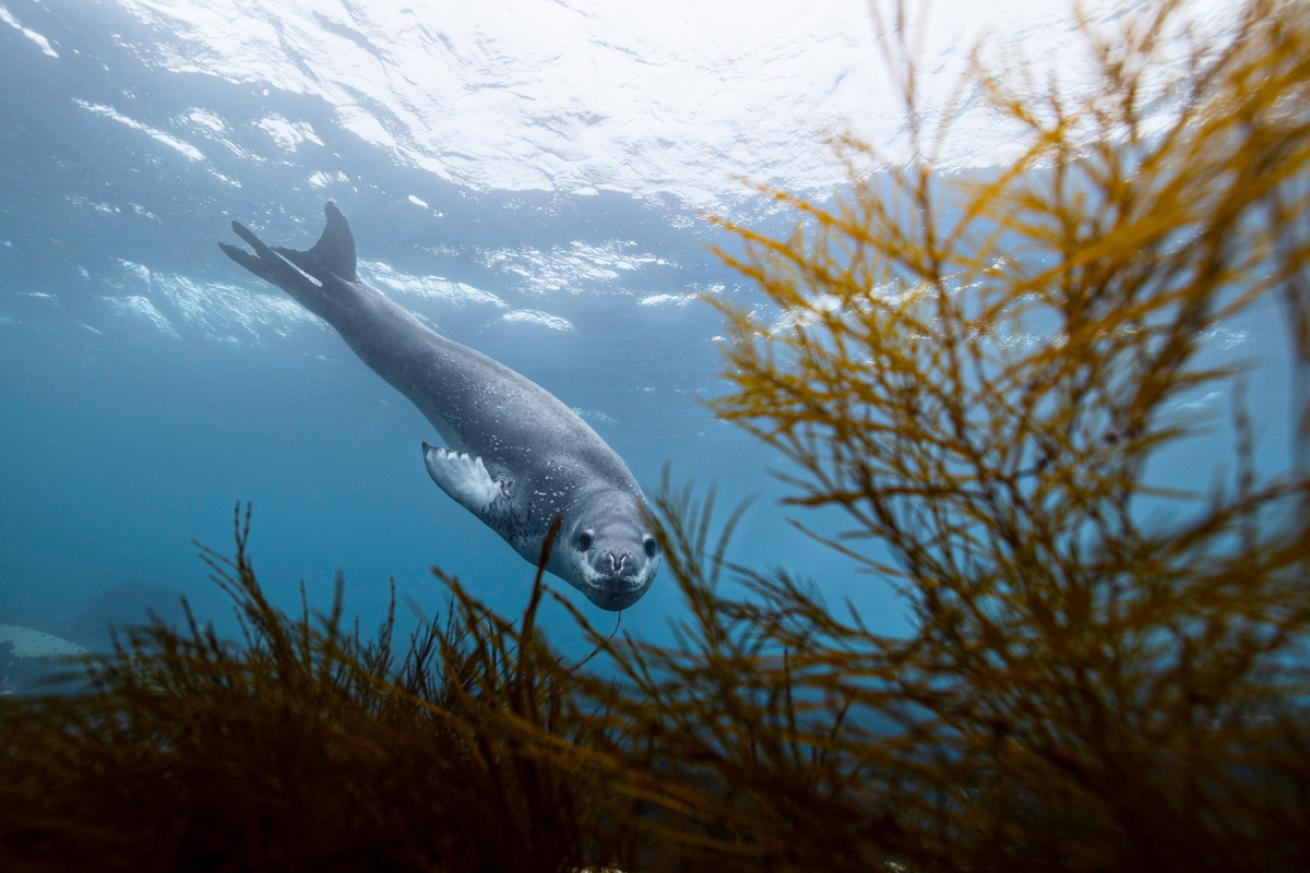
(148, 384)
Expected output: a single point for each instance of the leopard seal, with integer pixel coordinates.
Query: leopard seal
(515, 456)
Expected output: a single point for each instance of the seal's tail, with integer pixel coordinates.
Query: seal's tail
(332, 255)
(331, 262)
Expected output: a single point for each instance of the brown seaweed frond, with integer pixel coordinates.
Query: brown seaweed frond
(301, 746)
(1104, 672)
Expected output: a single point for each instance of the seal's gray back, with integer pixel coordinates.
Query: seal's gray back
(477, 404)
(522, 432)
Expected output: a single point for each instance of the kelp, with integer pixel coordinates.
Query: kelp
(977, 374)
(299, 747)
(1102, 673)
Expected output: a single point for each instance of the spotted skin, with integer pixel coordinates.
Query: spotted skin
(545, 460)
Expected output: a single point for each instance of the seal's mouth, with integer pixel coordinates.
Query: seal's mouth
(616, 596)
(627, 582)
(616, 574)
(614, 591)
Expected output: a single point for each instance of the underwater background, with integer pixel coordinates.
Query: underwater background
(532, 180)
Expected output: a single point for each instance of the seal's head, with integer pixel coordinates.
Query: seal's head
(607, 551)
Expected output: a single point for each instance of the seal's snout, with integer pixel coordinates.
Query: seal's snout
(612, 557)
(616, 593)
(618, 564)
(615, 577)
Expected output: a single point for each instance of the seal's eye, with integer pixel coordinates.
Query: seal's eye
(584, 541)
(651, 547)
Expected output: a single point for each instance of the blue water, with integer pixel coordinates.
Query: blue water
(124, 442)
(125, 438)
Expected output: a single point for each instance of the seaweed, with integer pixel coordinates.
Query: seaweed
(300, 747)
(1102, 674)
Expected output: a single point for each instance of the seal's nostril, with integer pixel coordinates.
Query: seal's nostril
(619, 564)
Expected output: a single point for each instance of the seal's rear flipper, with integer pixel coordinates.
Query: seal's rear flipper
(249, 261)
(332, 258)
(465, 479)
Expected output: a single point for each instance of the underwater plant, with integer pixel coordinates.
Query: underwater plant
(1106, 671)
(301, 747)
(1103, 673)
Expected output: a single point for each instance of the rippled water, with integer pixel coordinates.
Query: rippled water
(147, 384)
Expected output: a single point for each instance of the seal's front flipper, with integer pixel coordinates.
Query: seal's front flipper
(466, 480)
